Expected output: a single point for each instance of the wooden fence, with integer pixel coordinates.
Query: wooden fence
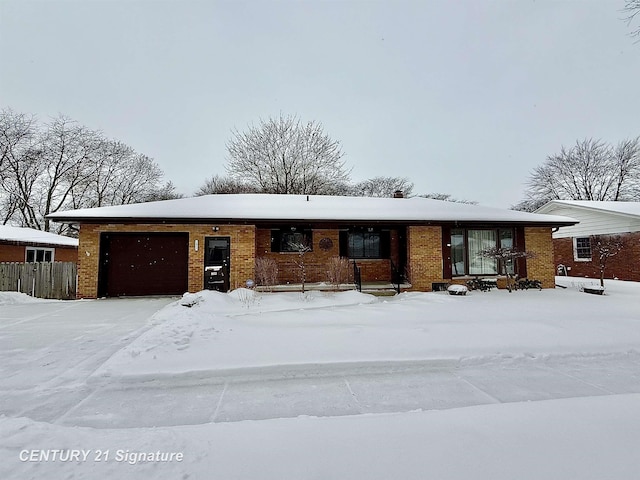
(42, 279)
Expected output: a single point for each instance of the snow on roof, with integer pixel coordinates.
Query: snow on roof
(31, 235)
(261, 207)
(623, 208)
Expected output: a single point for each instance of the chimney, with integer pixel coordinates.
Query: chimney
(398, 194)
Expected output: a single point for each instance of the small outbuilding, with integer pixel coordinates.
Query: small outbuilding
(20, 244)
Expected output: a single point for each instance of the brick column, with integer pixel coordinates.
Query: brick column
(539, 241)
(424, 256)
(88, 261)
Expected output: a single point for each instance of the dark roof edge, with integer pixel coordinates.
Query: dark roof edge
(261, 221)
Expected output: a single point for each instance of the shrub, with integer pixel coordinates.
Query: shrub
(338, 271)
(266, 272)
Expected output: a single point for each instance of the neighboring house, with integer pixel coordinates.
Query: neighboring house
(166, 247)
(572, 244)
(19, 244)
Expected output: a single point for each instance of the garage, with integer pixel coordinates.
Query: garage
(136, 264)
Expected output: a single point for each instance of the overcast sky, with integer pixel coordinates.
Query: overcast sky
(462, 97)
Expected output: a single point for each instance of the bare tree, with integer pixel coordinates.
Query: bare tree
(590, 170)
(164, 191)
(446, 197)
(66, 150)
(382, 187)
(19, 167)
(632, 10)
(604, 247)
(225, 185)
(505, 257)
(64, 165)
(302, 249)
(287, 156)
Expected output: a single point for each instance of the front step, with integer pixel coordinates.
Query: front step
(380, 292)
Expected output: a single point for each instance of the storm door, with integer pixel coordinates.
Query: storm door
(216, 263)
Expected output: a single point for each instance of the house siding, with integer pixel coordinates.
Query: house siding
(593, 222)
(288, 262)
(424, 256)
(12, 253)
(17, 253)
(624, 266)
(538, 241)
(242, 264)
(64, 254)
(316, 261)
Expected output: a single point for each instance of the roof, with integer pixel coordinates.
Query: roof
(264, 207)
(619, 208)
(33, 236)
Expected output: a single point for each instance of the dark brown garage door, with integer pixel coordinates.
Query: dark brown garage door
(143, 264)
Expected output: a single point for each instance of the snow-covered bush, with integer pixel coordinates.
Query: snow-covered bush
(338, 271)
(457, 290)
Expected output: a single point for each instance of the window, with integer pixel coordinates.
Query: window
(506, 241)
(582, 249)
(289, 239)
(365, 243)
(467, 246)
(479, 241)
(39, 254)
(458, 265)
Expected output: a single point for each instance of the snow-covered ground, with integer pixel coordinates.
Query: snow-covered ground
(533, 384)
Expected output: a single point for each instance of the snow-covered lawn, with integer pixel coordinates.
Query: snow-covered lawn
(533, 384)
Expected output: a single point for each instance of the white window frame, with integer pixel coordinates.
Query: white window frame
(575, 250)
(35, 255)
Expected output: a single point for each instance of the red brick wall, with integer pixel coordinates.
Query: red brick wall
(624, 266)
(12, 253)
(316, 260)
(16, 253)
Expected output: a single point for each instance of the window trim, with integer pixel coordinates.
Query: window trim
(576, 258)
(277, 233)
(35, 254)
(384, 243)
(466, 256)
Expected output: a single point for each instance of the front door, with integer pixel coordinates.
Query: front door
(216, 263)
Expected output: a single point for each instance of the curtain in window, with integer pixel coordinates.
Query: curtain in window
(480, 240)
(506, 241)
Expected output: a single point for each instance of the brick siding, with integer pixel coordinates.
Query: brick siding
(372, 270)
(424, 257)
(424, 254)
(17, 253)
(624, 266)
(12, 253)
(538, 241)
(242, 264)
